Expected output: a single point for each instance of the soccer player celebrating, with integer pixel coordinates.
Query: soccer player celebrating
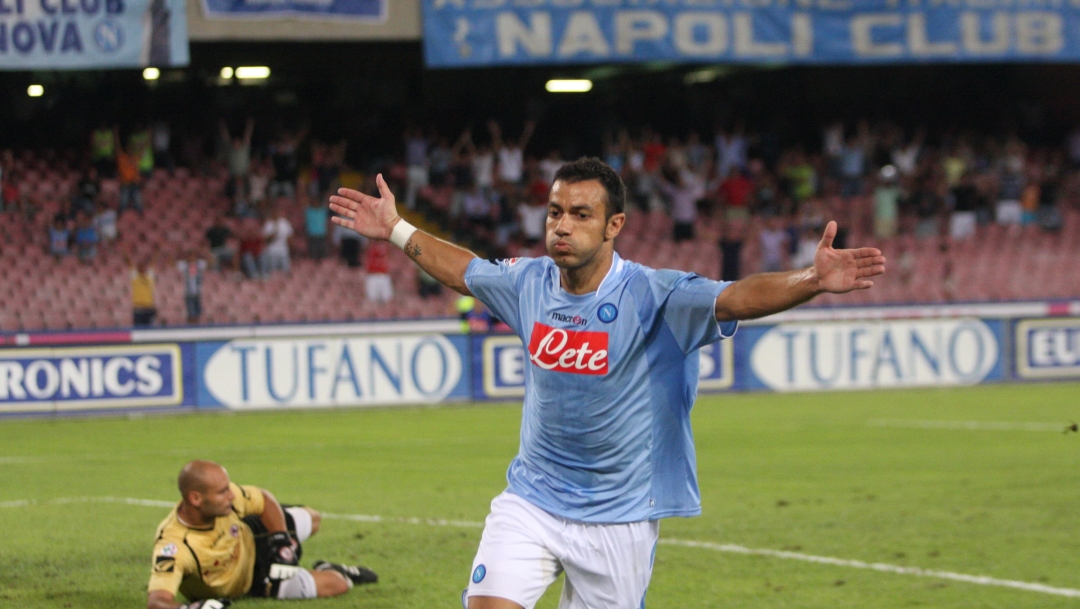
(606, 446)
(224, 540)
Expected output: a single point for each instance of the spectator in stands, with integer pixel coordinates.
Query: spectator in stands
(276, 233)
(532, 217)
(731, 244)
(887, 203)
(59, 237)
(142, 140)
(87, 194)
(192, 268)
(103, 150)
(439, 158)
(806, 248)
(734, 195)
(348, 243)
(252, 244)
(143, 285)
(316, 220)
(378, 287)
(774, 239)
(258, 184)
(684, 189)
(416, 160)
(222, 254)
(238, 155)
(965, 203)
(86, 238)
(510, 153)
(105, 222)
(127, 170)
(853, 162)
(550, 164)
(477, 207)
(731, 150)
(283, 155)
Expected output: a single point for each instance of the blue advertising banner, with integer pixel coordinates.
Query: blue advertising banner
(83, 378)
(92, 34)
(333, 371)
(1048, 348)
(870, 355)
(464, 33)
(362, 10)
(499, 363)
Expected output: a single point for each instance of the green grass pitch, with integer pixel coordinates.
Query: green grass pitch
(817, 474)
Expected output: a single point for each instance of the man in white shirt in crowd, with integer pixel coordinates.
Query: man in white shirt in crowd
(511, 153)
(276, 232)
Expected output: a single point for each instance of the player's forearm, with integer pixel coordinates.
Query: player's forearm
(273, 517)
(766, 293)
(442, 260)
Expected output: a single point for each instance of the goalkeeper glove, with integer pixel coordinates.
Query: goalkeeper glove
(282, 551)
(211, 603)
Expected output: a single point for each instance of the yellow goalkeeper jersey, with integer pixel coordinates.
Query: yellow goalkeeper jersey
(211, 562)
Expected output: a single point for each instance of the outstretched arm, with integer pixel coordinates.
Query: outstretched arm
(376, 219)
(835, 271)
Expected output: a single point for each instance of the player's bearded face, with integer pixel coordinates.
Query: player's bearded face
(576, 222)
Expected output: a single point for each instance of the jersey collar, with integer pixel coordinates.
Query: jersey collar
(608, 280)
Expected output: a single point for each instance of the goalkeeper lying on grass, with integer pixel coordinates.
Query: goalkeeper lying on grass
(224, 541)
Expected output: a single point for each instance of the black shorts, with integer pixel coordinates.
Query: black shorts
(261, 586)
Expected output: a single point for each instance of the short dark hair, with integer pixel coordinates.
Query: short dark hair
(591, 168)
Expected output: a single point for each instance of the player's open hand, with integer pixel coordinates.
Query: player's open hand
(840, 271)
(371, 217)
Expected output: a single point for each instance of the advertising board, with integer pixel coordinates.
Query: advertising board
(82, 378)
(333, 371)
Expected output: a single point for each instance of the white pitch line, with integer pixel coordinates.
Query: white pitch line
(877, 566)
(981, 580)
(968, 425)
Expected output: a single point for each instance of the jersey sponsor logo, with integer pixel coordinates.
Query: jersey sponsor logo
(164, 564)
(607, 313)
(576, 352)
(478, 574)
(169, 550)
(577, 320)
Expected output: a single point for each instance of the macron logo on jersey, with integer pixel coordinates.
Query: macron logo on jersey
(576, 352)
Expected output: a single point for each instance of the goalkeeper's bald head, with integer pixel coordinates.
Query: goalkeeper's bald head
(197, 476)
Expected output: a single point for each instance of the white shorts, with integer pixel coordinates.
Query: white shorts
(524, 548)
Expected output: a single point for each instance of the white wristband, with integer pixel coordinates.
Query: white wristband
(401, 233)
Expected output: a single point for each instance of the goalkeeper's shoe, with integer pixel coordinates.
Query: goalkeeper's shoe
(357, 575)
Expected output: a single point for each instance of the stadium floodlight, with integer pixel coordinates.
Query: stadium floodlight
(580, 85)
(226, 73)
(253, 72)
(151, 74)
(35, 90)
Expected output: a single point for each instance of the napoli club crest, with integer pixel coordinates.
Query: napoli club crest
(478, 574)
(607, 313)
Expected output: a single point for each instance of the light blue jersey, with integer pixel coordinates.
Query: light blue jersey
(605, 429)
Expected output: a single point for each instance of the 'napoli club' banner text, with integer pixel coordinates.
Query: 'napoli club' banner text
(459, 33)
(90, 34)
(362, 10)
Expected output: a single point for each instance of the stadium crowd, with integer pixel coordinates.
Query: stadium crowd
(761, 204)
